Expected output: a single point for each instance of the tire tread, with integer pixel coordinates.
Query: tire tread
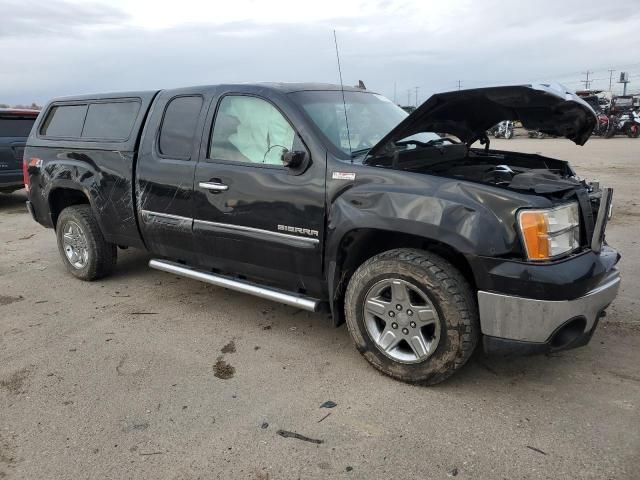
(103, 255)
(456, 287)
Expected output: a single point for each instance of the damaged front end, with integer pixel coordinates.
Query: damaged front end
(467, 114)
(548, 293)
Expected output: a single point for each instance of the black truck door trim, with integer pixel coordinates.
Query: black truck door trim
(167, 220)
(179, 221)
(257, 233)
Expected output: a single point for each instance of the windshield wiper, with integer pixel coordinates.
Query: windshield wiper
(430, 143)
(357, 153)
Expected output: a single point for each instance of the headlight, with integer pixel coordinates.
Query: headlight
(549, 233)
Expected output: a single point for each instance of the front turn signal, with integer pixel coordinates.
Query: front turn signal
(535, 233)
(550, 233)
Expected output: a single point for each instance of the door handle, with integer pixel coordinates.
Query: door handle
(214, 186)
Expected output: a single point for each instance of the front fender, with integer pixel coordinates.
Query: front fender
(473, 219)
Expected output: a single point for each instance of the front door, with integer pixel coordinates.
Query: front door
(252, 215)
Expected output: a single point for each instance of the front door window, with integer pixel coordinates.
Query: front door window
(251, 130)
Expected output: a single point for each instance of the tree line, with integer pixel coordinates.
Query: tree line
(33, 106)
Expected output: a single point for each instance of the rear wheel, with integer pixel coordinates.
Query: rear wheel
(412, 315)
(84, 250)
(633, 131)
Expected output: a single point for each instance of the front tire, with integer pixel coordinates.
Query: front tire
(84, 251)
(412, 315)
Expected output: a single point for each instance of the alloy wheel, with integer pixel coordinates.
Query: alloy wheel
(74, 243)
(401, 320)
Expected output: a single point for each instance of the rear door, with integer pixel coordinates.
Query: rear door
(166, 165)
(14, 130)
(252, 215)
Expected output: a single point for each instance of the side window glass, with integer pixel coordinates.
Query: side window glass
(110, 120)
(179, 127)
(249, 129)
(64, 121)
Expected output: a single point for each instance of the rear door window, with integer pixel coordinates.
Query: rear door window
(179, 127)
(64, 121)
(110, 121)
(16, 127)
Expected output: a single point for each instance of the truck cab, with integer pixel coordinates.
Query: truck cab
(334, 199)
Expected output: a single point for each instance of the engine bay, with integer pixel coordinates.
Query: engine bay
(520, 171)
(512, 170)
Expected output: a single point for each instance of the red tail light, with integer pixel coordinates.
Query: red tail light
(25, 173)
(35, 163)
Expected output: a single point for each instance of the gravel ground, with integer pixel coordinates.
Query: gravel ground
(146, 375)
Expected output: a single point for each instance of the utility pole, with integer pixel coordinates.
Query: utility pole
(459, 84)
(395, 100)
(417, 88)
(408, 97)
(610, 78)
(586, 82)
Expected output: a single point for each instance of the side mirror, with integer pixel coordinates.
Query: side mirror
(295, 159)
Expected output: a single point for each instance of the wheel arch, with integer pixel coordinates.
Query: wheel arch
(359, 244)
(61, 197)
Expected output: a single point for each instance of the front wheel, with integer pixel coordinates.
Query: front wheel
(83, 248)
(412, 315)
(633, 131)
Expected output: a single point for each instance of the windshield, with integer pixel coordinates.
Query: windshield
(370, 117)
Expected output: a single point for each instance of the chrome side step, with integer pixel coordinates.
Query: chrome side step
(305, 303)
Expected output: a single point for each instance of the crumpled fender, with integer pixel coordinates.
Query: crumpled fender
(473, 219)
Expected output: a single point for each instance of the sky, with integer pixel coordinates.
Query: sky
(51, 48)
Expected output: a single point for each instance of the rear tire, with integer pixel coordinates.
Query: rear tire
(433, 285)
(84, 251)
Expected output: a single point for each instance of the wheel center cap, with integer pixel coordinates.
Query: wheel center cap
(402, 319)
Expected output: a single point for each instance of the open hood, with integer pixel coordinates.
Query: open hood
(467, 114)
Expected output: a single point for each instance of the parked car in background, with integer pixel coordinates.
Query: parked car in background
(424, 244)
(15, 126)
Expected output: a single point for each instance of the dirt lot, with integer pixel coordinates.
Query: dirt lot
(146, 375)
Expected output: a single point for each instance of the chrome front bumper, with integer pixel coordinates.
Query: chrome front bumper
(530, 320)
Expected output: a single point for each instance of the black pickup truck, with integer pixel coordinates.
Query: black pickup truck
(338, 201)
